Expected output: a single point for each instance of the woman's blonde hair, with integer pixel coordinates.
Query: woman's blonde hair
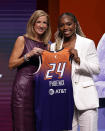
(30, 32)
(59, 35)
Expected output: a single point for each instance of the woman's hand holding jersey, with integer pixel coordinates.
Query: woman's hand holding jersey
(34, 51)
(74, 55)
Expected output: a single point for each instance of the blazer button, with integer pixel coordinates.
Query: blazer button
(76, 83)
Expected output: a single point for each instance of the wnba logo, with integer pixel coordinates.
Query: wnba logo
(51, 91)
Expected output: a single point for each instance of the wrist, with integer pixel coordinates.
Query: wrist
(26, 58)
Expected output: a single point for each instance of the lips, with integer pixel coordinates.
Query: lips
(41, 30)
(66, 32)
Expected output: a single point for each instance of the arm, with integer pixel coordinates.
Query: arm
(15, 59)
(90, 64)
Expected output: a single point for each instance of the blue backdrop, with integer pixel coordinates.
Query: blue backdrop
(14, 15)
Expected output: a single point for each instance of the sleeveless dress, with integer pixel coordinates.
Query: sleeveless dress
(23, 90)
(53, 92)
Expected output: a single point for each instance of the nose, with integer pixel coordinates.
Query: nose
(41, 25)
(65, 26)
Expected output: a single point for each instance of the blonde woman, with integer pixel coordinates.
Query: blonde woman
(24, 57)
(84, 65)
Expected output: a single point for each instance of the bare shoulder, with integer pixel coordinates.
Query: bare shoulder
(19, 44)
(20, 38)
(20, 41)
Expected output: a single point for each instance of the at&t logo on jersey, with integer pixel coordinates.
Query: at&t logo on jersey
(51, 91)
(60, 91)
(57, 91)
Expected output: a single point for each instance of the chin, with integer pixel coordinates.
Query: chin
(40, 33)
(67, 36)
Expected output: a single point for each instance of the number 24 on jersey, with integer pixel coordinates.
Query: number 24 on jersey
(55, 68)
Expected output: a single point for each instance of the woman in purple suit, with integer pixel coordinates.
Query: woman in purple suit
(24, 57)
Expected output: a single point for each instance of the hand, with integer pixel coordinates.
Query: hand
(34, 51)
(74, 53)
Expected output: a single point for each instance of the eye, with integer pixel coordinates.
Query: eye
(69, 24)
(38, 21)
(61, 25)
(45, 22)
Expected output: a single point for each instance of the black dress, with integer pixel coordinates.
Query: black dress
(23, 90)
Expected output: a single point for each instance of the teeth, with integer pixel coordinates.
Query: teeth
(66, 32)
(41, 30)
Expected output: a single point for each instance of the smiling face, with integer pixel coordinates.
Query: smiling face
(40, 25)
(67, 26)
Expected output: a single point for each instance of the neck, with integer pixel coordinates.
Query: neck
(38, 38)
(70, 41)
